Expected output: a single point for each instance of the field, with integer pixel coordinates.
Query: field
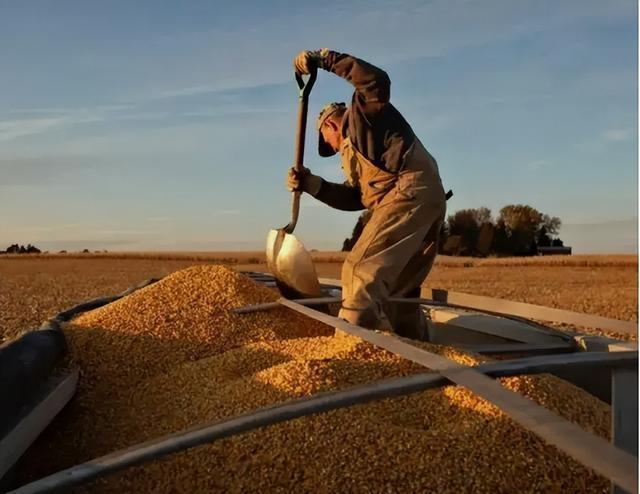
(33, 288)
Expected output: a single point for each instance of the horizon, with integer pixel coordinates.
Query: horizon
(163, 127)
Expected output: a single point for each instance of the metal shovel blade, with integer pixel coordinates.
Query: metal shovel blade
(292, 266)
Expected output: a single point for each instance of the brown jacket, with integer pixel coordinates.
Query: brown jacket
(374, 126)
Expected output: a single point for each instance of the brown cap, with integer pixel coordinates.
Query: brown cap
(324, 149)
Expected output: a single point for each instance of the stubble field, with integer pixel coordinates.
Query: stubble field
(33, 288)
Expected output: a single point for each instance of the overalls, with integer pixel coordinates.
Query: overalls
(398, 245)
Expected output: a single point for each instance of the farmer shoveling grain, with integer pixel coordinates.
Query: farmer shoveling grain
(388, 172)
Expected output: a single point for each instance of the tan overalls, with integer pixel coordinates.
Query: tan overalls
(398, 245)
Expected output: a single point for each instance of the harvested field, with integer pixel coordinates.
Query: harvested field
(607, 290)
(172, 355)
(324, 257)
(33, 288)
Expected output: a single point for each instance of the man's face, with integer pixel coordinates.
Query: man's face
(331, 134)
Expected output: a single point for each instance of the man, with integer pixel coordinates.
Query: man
(389, 172)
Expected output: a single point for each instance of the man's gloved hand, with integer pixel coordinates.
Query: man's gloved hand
(304, 181)
(307, 60)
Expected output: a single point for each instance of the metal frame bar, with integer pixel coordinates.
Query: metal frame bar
(19, 438)
(247, 309)
(319, 403)
(539, 334)
(590, 450)
(56, 392)
(518, 309)
(624, 417)
(532, 311)
(504, 348)
(500, 325)
(539, 337)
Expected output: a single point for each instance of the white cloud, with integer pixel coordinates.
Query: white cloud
(44, 228)
(538, 164)
(226, 212)
(48, 119)
(617, 135)
(124, 231)
(44, 170)
(422, 29)
(34, 229)
(66, 110)
(13, 129)
(22, 127)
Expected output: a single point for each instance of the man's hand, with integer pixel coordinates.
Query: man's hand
(303, 181)
(307, 60)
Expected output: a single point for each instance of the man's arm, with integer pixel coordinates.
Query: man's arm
(372, 84)
(375, 127)
(339, 196)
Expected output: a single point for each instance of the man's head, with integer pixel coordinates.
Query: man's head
(330, 128)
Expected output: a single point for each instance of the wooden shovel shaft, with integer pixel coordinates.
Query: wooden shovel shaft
(301, 132)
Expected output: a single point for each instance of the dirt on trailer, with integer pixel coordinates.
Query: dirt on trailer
(34, 287)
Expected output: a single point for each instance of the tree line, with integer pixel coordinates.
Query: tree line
(32, 249)
(21, 249)
(517, 230)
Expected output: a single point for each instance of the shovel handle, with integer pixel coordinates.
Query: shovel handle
(303, 105)
(295, 211)
(301, 130)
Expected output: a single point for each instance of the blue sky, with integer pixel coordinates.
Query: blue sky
(159, 125)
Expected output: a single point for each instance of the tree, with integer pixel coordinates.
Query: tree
(521, 223)
(483, 215)
(543, 239)
(551, 224)
(444, 235)
(519, 229)
(549, 228)
(525, 227)
(501, 244)
(21, 249)
(520, 217)
(32, 249)
(467, 224)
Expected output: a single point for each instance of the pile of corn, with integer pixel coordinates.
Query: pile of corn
(173, 355)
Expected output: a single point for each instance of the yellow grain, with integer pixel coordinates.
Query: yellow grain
(173, 355)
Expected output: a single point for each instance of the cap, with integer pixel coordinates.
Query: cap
(324, 149)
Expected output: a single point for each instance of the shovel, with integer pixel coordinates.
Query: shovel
(287, 259)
